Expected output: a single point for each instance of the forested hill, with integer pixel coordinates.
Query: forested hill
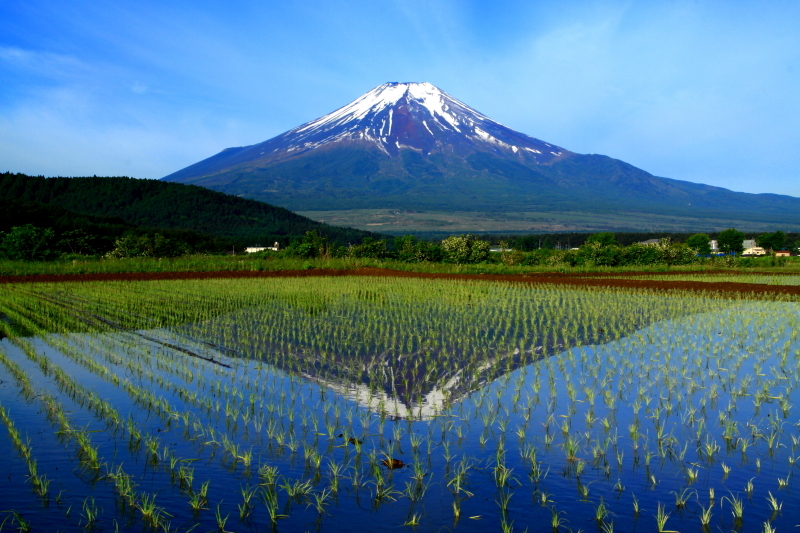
(160, 204)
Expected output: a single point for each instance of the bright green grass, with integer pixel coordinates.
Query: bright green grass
(249, 263)
(764, 279)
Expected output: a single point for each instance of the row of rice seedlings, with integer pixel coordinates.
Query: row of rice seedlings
(713, 448)
(147, 399)
(191, 395)
(198, 499)
(40, 483)
(658, 422)
(161, 405)
(144, 503)
(95, 369)
(88, 455)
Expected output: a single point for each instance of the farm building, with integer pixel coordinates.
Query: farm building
(755, 250)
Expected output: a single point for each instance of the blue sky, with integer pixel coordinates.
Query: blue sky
(701, 91)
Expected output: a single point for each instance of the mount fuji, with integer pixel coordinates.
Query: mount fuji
(411, 146)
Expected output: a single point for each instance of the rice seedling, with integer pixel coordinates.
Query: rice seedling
(749, 488)
(737, 507)
(246, 507)
(413, 520)
(297, 490)
(16, 520)
(682, 497)
(90, 513)
(705, 516)
(198, 500)
(320, 500)
(556, 522)
(601, 513)
(774, 505)
(503, 499)
(661, 519)
(221, 520)
(269, 496)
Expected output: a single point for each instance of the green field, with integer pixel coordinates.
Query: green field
(440, 224)
(214, 263)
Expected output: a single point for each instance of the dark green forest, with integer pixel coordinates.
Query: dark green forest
(109, 204)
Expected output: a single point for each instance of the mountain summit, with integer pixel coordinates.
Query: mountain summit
(393, 117)
(416, 116)
(413, 146)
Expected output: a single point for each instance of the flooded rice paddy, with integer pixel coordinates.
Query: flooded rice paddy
(390, 404)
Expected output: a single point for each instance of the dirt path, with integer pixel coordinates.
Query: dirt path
(552, 278)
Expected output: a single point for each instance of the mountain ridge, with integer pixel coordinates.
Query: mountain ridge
(413, 146)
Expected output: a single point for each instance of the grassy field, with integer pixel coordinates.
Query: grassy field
(251, 263)
(443, 224)
(728, 277)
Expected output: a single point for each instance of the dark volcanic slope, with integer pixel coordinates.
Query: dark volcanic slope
(410, 145)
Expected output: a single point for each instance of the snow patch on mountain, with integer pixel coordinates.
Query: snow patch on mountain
(410, 115)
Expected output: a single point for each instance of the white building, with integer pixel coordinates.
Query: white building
(755, 250)
(254, 249)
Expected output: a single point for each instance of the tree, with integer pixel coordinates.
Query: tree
(28, 243)
(313, 244)
(410, 249)
(369, 247)
(603, 239)
(772, 241)
(594, 253)
(700, 242)
(77, 242)
(148, 246)
(730, 241)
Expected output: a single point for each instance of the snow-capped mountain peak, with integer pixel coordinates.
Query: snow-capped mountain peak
(417, 116)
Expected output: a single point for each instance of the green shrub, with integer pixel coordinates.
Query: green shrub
(28, 243)
(465, 249)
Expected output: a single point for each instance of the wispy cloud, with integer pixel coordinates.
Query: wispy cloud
(48, 64)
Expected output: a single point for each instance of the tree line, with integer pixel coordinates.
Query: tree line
(32, 243)
(600, 249)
